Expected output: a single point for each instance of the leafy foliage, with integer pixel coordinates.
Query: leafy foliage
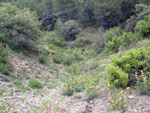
(131, 63)
(123, 40)
(82, 41)
(110, 13)
(67, 9)
(109, 34)
(58, 26)
(117, 77)
(69, 30)
(20, 25)
(143, 26)
(37, 6)
(141, 11)
(48, 21)
(43, 56)
(5, 66)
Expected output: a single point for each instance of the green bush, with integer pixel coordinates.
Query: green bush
(117, 77)
(5, 66)
(124, 40)
(22, 26)
(68, 57)
(48, 20)
(58, 26)
(82, 41)
(43, 56)
(143, 27)
(35, 84)
(112, 46)
(57, 41)
(69, 30)
(63, 58)
(141, 10)
(133, 62)
(112, 32)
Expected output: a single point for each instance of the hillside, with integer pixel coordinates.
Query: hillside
(74, 56)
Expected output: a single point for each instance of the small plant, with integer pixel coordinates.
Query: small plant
(5, 66)
(2, 90)
(5, 107)
(143, 83)
(86, 82)
(43, 56)
(35, 84)
(20, 85)
(118, 99)
(93, 94)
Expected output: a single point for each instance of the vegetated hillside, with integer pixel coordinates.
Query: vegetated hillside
(56, 60)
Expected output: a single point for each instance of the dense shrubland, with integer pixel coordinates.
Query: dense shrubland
(19, 27)
(84, 36)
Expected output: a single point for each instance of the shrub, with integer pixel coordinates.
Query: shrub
(68, 57)
(57, 41)
(82, 41)
(141, 11)
(124, 40)
(43, 56)
(48, 21)
(143, 26)
(58, 26)
(69, 30)
(22, 26)
(5, 66)
(35, 84)
(133, 62)
(112, 32)
(117, 77)
(112, 46)
(63, 58)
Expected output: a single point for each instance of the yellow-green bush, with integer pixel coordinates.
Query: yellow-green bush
(112, 32)
(117, 77)
(123, 65)
(123, 40)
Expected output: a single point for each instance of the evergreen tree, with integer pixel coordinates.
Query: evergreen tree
(67, 9)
